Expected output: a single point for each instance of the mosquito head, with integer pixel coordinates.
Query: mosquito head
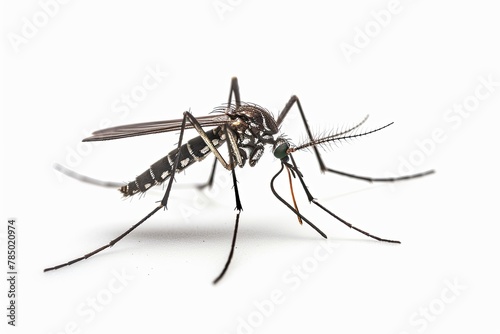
(281, 148)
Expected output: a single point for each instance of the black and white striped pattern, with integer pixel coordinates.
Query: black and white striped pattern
(194, 150)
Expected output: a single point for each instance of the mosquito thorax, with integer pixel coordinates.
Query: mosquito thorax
(254, 127)
(254, 120)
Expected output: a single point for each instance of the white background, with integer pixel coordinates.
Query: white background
(65, 79)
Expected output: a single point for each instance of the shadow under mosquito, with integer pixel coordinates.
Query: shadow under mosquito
(214, 233)
(223, 234)
(160, 237)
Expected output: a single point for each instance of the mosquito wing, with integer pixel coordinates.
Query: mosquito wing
(140, 129)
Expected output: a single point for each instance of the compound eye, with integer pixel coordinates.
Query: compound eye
(280, 150)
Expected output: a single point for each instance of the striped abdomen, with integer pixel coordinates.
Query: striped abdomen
(194, 150)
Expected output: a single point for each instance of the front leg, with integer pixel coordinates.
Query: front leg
(311, 199)
(295, 100)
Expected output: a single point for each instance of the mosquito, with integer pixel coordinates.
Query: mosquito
(246, 129)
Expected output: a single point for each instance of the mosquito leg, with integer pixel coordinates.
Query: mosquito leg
(210, 180)
(311, 199)
(177, 158)
(297, 213)
(230, 136)
(236, 90)
(162, 205)
(239, 208)
(295, 100)
(233, 243)
(86, 179)
(110, 244)
(200, 186)
(380, 179)
(233, 89)
(203, 135)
